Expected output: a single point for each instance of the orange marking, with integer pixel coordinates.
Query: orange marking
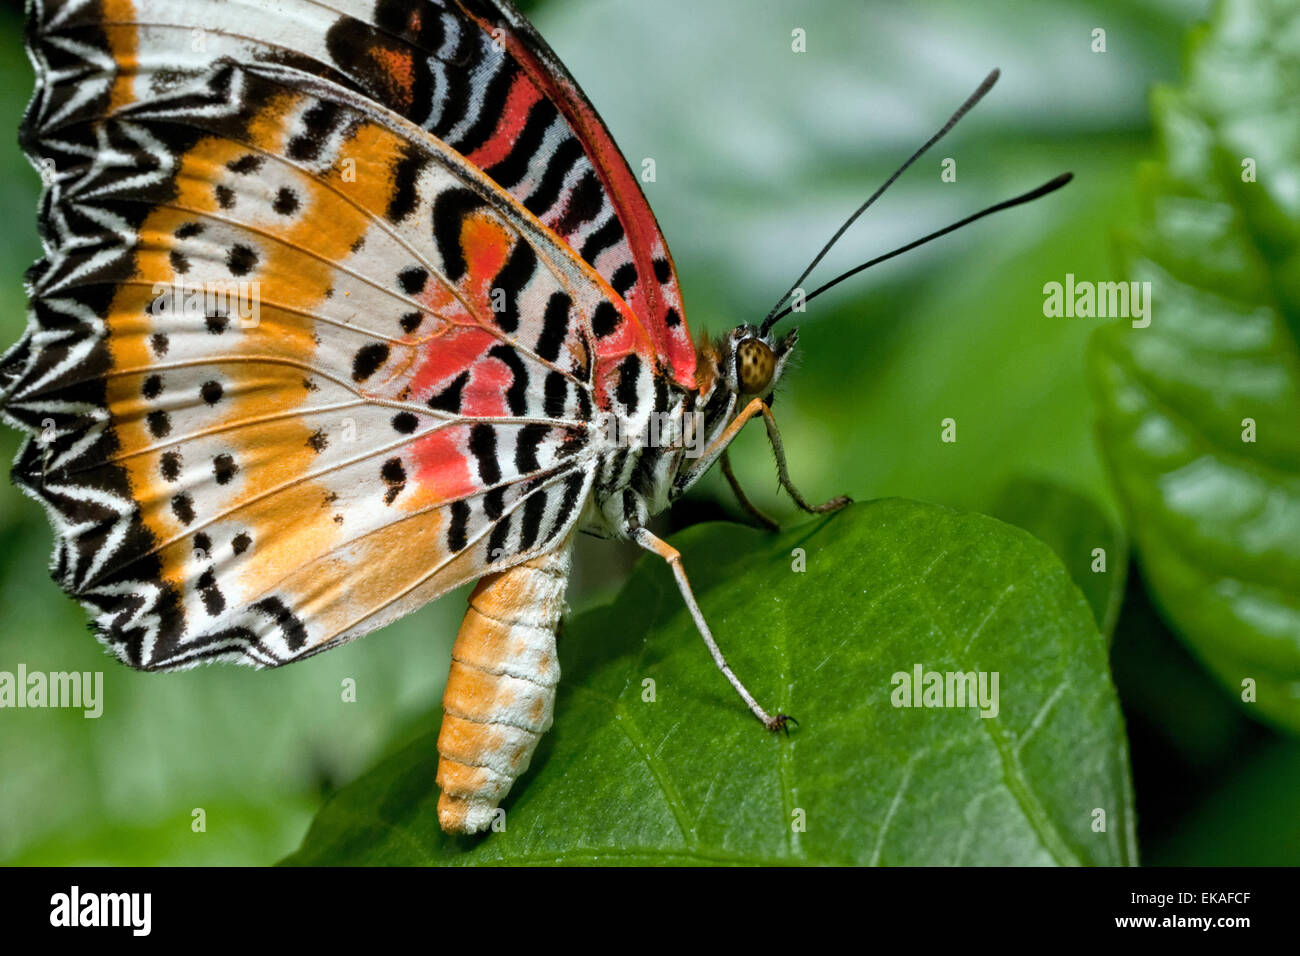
(486, 244)
(399, 69)
(475, 694)
(462, 781)
(122, 43)
(292, 529)
(471, 743)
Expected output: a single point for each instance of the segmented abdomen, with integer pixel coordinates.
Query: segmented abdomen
(500, 694)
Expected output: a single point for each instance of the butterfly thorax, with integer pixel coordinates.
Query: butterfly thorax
(643, 450)
(655, 450)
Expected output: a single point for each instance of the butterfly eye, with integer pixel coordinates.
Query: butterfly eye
(755, 364)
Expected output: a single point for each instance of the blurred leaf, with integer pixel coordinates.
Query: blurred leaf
(1073, 527)
(1198, 732)
(233, 831)
(1188, 740)
(1250, 820)
(692, 778)
(1216, 519)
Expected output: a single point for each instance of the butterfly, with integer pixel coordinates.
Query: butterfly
(343, 306)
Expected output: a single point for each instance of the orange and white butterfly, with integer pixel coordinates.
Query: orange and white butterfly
(342, 306)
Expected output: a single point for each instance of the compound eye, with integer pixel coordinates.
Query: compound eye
(755, 364)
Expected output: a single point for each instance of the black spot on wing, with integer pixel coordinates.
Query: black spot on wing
(483, 446)
(368, 360)
(555, 326)
(406, 175)
(394, 477)
(607, 235)
(558, 167)
(248, 163)
(171, 465)
(295, 635)
(494, 502)
(286, 201)
(625, 391)
(556, 389)
(568, 501)
(241, 260)
(412, 280)
(449, 211)
(224, 468)
(214, 602)
(605, 319)
(496, 547)
(517, 393)
(514, 275)
(526, 445)
(449, 399)
(160, 424)
(317, 123)
(458, 529)
(623, 279)
(584, 204)
(215, 322)
(531, 525)
(509, 171)
(183, 508)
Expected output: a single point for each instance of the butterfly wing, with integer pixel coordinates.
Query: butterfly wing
(388, 383)
(473, 73)
(621, 238)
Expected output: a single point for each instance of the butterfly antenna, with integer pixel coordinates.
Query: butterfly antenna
(1030, 196)
(962, 110)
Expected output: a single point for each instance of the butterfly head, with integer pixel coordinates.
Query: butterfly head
(750, 361)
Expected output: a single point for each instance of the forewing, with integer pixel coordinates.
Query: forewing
(473, 73)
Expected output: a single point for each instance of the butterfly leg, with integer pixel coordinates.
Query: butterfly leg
(783, 472)
(745, 503)
(718, 449)
(656, 545)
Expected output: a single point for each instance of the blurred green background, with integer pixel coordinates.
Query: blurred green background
(759, 154)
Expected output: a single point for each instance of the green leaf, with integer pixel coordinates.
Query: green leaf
(692, 778)
(1216, 517)
(1074, 527)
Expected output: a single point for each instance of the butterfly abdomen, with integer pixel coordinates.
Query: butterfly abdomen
(500, 694)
